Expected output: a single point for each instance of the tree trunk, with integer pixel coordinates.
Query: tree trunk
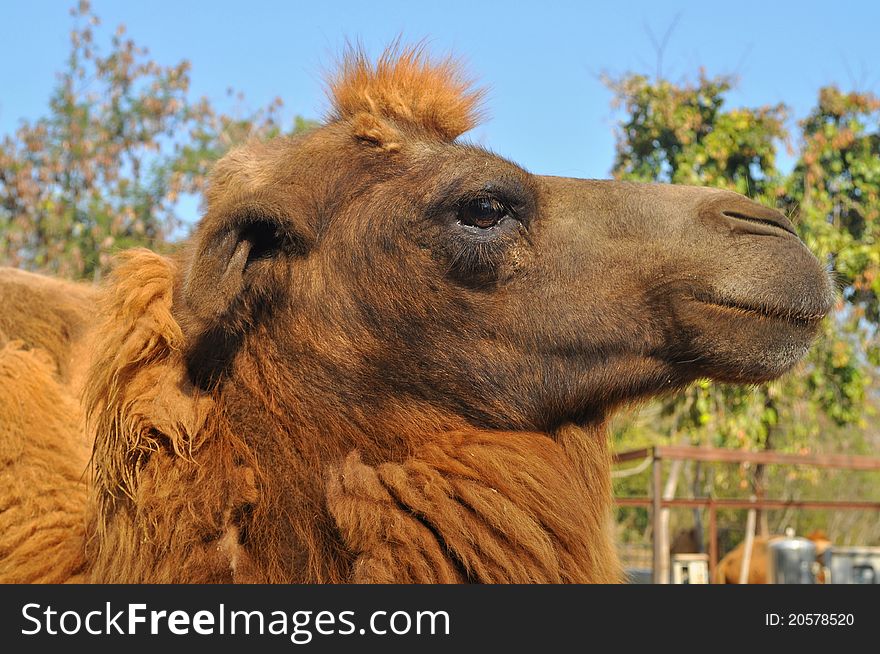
(668, 493)
(748, 544)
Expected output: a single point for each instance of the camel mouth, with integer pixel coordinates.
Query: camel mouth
(804, 317)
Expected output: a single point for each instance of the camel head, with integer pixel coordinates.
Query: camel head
(378, 262)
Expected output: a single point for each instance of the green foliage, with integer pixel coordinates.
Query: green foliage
(681, 134)
(104, 170)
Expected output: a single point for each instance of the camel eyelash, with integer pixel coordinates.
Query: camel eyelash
(483, 213)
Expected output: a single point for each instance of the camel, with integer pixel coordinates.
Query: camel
(384, 355)
(729, 568)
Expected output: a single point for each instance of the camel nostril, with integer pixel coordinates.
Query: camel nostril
(768, 218)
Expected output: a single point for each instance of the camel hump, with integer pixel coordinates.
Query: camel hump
(44, 313)
(43, 463)
(43, 327)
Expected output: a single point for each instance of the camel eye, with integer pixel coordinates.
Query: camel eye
(482, 212)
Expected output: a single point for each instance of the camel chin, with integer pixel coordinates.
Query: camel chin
(742, 343)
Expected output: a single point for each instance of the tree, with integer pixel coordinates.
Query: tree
(105, 168)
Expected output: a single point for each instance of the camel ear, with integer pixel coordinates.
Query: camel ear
(237, 274)
(234, 266)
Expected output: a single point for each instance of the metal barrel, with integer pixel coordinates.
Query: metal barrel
(853, 565)
(792, 561)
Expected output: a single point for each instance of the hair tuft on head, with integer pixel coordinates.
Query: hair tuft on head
(408, 87)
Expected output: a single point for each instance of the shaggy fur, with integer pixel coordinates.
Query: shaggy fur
(144, 411)
(51, 315)
(406, 87)
(43, 451)
(504, 508)
(43, 467)
(474, 506)
(382, 356)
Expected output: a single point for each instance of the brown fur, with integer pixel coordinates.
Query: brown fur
(143, 410)
(541, 523)
(43, 465)
(388, 356)
(405, 86)
(48, 314)
(489, 508)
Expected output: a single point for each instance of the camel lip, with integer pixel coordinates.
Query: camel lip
(800, 318)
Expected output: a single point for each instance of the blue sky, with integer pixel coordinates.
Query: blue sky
(541, 60)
